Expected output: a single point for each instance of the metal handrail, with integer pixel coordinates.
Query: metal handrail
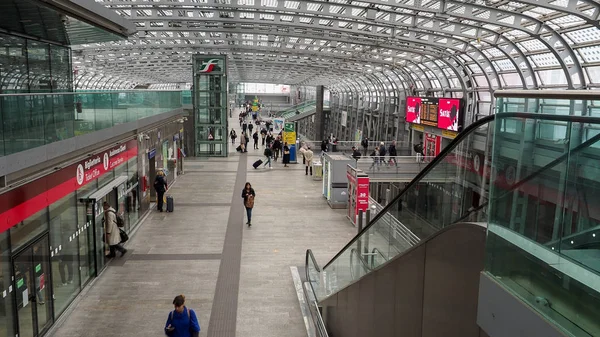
(553, 94)
(320, 324)
(86, 92)
(447, 150)
(373, 252)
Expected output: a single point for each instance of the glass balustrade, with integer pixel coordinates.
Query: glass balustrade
(32, 120)
(544, 220)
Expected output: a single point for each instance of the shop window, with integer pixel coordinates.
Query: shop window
(28, 229)
(64, 243)
(6, 302)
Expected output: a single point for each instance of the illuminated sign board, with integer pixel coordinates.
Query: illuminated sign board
(442, 113)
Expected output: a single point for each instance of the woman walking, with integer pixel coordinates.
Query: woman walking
(233, 136)
(248, 194)
(286, 154)
(182, 322)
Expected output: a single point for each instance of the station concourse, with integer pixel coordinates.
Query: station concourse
(457, 143)
(235, 277)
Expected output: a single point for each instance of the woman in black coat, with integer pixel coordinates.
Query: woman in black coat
(248, 194)
(286, 154)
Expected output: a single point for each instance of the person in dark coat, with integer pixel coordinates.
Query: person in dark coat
(276, 147)
(255, 137)
(248, 194)
(160, 185)
(286, 154)
(393, 153)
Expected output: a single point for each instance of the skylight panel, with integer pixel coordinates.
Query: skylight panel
(504, 65)
(568, 21)
(532, 45)
(590, 54)
(544, 60)
(591, 34)
(313, 6)
(268, 3)
(292, 4)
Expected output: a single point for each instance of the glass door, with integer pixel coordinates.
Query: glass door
(32, 282)
(86, 243)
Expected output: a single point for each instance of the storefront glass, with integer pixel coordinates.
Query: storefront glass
(6, 303)
(132, 199)
(28, 229)
(65, 260)
(86, 236)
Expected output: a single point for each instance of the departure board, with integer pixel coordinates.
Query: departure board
(444, 113)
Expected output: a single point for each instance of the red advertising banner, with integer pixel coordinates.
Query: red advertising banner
(413, 106)
(19, 204)
(448, 113)
(362, 194)
(432, 145)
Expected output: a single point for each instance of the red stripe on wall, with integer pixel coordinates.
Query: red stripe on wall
(51, 193)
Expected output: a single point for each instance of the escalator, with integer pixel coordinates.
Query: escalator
(415, 269)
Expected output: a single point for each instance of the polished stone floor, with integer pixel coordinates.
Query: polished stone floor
(238, 275)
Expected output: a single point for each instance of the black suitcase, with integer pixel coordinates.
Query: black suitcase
(170, 204)
(239, 148)
(257, 164)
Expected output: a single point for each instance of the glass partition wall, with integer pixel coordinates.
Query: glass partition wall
(544, 221)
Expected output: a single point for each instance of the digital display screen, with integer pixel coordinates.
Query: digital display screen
(413, 106)
(442, 113)
(448, 114)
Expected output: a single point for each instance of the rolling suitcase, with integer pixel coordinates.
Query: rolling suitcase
(170, 204)
(239, 148)
(257, 164)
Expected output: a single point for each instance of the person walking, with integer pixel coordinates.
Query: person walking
(244, 127)
(276, 148)
(268, 153)
(375, 155)
(182, 322)
(255, 137)
(160, 186)
(233, 136)
(263, 134)
(308, 156)
(365, 145)
(269, 139)
(248, 194)
(382, 154)
(286, 154)
(250, 127)
(393, 153)
(241, 119)
(113, 233)
(355, 153)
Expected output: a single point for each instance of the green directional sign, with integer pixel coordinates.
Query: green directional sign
(288, 127)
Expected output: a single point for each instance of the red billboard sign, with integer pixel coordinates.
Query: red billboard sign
(413, 106)
(362, 194)
(448, 114)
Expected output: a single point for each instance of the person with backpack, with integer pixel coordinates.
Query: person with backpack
(268, 153)
(182, 322)
(248, 194)
(113, 233)
(160, 185)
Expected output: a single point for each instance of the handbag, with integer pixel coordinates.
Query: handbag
(124, 236)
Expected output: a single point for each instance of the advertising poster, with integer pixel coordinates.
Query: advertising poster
(413, 106)
(362, 194)
(448, 112)
(358, 136)
(432, 145)
(344, 118)
(278, 124)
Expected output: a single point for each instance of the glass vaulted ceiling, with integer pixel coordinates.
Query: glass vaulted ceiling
(421, 44)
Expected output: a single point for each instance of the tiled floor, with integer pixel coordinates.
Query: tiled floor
(185, 252)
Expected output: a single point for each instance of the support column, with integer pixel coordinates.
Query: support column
(319, 117)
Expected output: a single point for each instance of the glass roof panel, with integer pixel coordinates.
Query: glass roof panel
(590, 54)
(585, 35)
(544, 60)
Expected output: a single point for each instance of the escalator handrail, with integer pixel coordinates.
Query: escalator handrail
(309, 255)
(373, 252)
(448, 150)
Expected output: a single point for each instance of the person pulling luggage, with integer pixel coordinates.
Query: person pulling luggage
(160, 185)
